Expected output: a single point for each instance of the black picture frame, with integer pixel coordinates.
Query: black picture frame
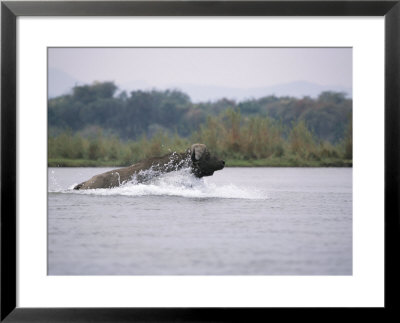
(10, 10)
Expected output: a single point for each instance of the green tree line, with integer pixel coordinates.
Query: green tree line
(146, 113)
(241, 141)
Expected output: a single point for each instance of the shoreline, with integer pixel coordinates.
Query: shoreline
(269, 162)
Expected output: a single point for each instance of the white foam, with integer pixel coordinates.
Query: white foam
(178, 183)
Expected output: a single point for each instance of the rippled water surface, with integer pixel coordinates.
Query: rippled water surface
(241, 221)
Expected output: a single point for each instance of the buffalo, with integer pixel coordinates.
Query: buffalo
(198, 159)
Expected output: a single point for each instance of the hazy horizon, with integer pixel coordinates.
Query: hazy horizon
(205, 73)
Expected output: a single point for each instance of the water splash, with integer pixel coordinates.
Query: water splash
(180, 183)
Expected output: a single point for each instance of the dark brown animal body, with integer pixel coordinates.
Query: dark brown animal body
(198, 159)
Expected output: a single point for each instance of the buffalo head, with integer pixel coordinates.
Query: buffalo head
(204, 164)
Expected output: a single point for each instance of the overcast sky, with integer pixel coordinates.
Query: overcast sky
(205, 73)
(222, 67)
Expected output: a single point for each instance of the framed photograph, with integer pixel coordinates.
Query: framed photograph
(194, 160)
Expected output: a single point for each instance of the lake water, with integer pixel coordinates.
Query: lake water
(241, 221)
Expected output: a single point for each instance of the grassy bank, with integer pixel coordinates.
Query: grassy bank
(63, 162)
(246, 142)
(289, 162)
(267, 162)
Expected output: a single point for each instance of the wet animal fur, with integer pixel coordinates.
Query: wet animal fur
(197, 158)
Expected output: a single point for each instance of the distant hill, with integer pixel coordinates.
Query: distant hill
(61, 83)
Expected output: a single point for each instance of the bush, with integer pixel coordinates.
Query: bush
(229, 135)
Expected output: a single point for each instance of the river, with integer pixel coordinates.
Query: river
(240, 221)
